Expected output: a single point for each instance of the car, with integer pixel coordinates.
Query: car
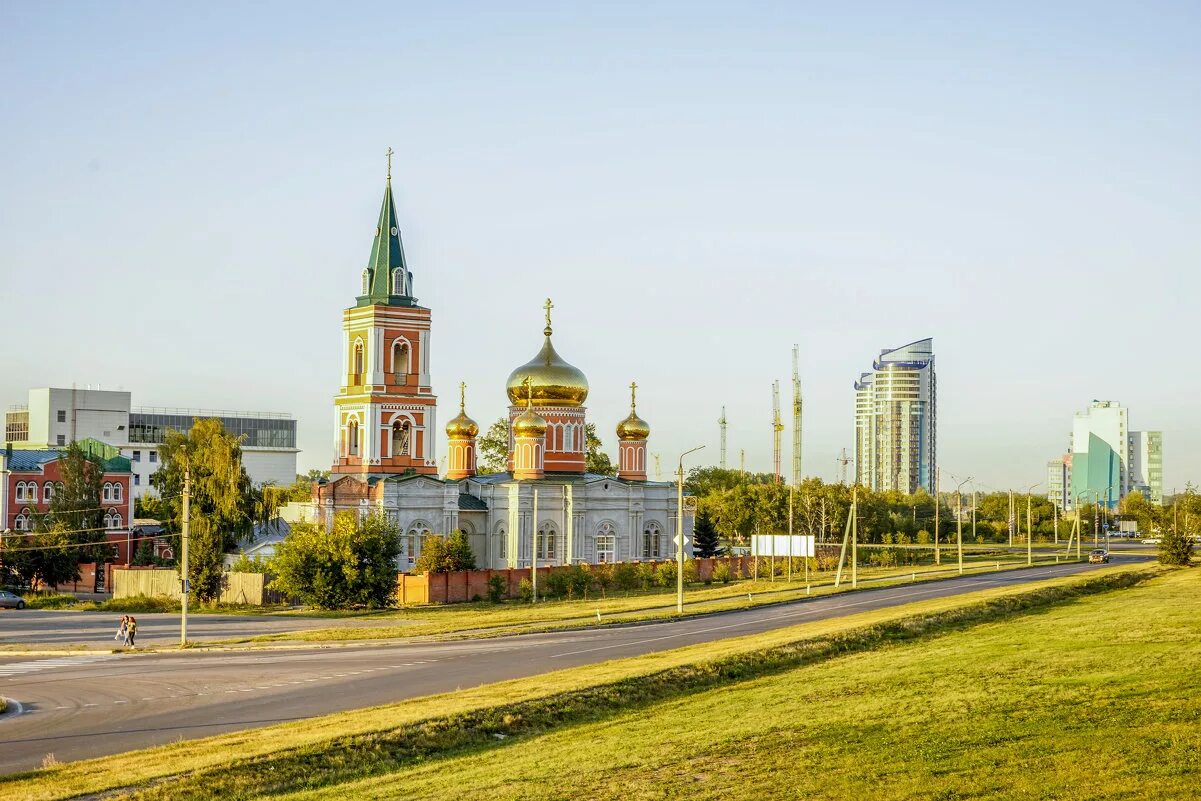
(1098, 556)
(11, 600)
(1152, 541)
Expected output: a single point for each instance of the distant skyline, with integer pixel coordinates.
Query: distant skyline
(189, 197)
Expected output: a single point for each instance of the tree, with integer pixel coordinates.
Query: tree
(224, 505)
(445, 554)
(492, 448)
(704, 536)
(596, 460)
(47, 558)
(1176, 542)
(354, 563)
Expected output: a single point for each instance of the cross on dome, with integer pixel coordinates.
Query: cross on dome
(548, 306)
(389, 155)
(633, 390)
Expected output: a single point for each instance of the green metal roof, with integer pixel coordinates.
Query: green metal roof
(387, 254)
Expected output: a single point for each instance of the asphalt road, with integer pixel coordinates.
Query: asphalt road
(60, 629)
(90, 705)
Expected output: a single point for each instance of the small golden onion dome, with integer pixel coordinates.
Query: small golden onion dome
(462, 427)
(529, 424)
(633, 427)
(553, 382)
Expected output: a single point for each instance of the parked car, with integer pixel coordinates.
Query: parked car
(1098, 556)
(1152, 541)
(10, 600)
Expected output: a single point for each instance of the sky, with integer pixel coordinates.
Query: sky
(188, 196)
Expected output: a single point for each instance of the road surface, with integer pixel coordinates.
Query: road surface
(95, 704)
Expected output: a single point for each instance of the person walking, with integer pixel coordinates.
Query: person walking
(131, 629)
(120, 635)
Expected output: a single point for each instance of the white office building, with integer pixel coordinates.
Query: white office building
(895, 420)
(54, 417)
(1108, 461)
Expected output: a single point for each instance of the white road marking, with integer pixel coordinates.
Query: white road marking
(21, 668)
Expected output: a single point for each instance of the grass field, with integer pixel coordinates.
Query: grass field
(1053, 692)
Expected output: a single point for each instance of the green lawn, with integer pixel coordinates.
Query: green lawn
(1055, 691)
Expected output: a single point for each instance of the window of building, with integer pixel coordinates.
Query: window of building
(358, 363)
(398, 281)
(652, 542)
(108, 492)
(411, 542)
(569, 438)
(153, 457)
(137, 456)
(61, 439)
(402, 431)
(366, 281)
(137, 480)
(547, 542)
(352, 438)
(606, 543)
(21, 523)
(48, 491)
(400, 359)
(62, 416)
(116, 520)
(117, 490)
(108, 520)
(20, 489)
(502, 543)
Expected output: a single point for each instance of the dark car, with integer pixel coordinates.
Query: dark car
(1098, 556)
(11, 601)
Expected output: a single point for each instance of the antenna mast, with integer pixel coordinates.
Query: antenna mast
(777, 428)
(843, 460)
(722, 423)
(796, 416)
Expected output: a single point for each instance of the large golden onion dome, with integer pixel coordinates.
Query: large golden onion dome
(633, 427)
(553, 382)
(462, 427)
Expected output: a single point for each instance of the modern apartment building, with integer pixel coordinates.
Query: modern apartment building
(1059, 481)
(895, 420)
(54, 416)
(1107, 460)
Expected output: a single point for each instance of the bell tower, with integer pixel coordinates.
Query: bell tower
(385, 413)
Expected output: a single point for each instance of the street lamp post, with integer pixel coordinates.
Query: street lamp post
(680, 531)
(959, 520)
(1030, 526)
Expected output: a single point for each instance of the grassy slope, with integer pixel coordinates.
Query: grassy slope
(318, 742)
(1095, 699)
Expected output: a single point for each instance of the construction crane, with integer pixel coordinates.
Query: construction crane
(843, 460)
(796, 416)
(742, 460)
(777, 428)
(722, 423)
(658, 469)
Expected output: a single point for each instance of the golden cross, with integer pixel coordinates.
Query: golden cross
(462, 396)
(389, 155)
(548, 306)
(529, 391)
(633, 389)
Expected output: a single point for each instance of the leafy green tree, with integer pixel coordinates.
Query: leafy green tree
(250, 564)
(1176, 541)
(224, 505)
(76, 505)
(445, 554)
(704, 535)
(47, 558)
(492, 448)
(354, 563)
(596, 460)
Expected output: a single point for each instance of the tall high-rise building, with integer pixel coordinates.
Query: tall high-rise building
(895, 420)
(1109, 461)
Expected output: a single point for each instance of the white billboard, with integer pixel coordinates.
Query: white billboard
(779, 545)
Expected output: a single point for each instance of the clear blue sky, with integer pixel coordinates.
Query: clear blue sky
(188, 197)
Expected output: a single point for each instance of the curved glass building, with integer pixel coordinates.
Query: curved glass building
(895, 439)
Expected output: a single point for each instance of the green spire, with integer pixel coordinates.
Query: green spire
(382, 284)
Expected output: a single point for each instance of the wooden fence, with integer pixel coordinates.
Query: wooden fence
(240, 588)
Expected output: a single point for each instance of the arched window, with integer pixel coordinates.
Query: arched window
(358, 362)
(411, 541)
(48, 491)
(108, 491)
(21, 523)
(502, 542)
(652, 541)
(400, 359)
(398, 281)
(117, 492)
(20, 490)
(569, 438)
(108, 520)
(366, 282)
(115, 520)
(31, 492)
(402, 436)
(547, 542)
(606, 543)
(352, 438)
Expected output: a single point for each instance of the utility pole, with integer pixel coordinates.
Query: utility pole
(959, 520)
(742, 461)
(722, 423)
(796, 416)
(1011, 518)
(1029, 532)
(937, 553)
(534, 547)
(777, 428)
(790, 493)
(680, 531)
(973, 514)
(187, 515)
(855, 537)
(1055, 516)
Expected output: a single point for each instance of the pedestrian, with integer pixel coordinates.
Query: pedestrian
(120, 635)
(131, 629)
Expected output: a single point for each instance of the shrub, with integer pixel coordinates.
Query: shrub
(1175, 547)
(248, 564)
(602, 577)
(625, 576)
(579, 581)
(665, 574)
(140, 604)
(525, 590)
(923, 537)
(354, 564)
(496, 589)
(558, 584)
(646, 575)
(721, 572)
(49, 601)
(690, 572)
(445, 554)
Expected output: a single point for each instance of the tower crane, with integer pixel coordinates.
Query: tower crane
(658, 469)
(722, 423)
(796, 416)
(843, 460)
(777, 428)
